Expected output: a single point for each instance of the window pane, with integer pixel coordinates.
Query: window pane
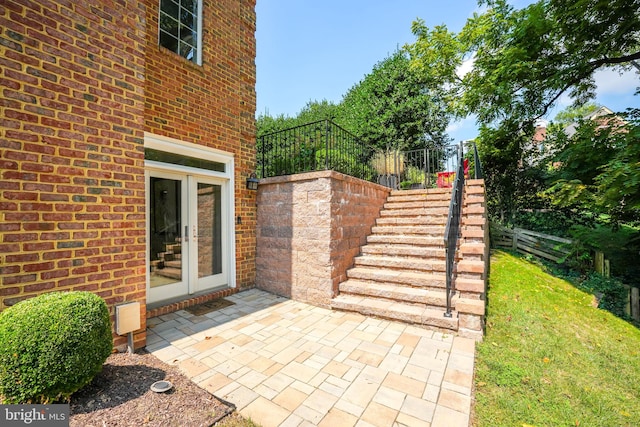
(176, 159)
(170, 8)
(209, 230)
(190, 5)
(168, 25)
(168, 41)
(187, 52)
(188, 36)
(188, 20)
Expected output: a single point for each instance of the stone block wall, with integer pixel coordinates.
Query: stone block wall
(311, 227)
(473, 262)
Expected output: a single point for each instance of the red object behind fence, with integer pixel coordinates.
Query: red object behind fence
(446, 179)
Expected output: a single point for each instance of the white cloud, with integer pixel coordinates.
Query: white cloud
(611, 82)
(463, 129)
(466, 66)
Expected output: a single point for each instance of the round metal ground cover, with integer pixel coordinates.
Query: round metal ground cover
(161, 386)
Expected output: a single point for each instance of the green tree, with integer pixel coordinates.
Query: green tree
(524, 60)
(312, 112)
(598, 167)
(511, 186)
(396, 107)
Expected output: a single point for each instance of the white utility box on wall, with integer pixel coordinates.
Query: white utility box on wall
(127, 318)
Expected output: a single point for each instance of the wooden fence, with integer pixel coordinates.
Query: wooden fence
(541, 245)
(555, 249)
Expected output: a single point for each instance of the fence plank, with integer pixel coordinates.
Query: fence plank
(635, 303)
(534, 243)
(542, 254)
(544, 236)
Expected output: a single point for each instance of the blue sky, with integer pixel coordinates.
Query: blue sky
(311, 50)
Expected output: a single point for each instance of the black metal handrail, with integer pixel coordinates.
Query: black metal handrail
(477, 165)
(452, 228)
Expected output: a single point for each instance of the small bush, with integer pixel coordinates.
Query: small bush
(612, 294)
(52, 345)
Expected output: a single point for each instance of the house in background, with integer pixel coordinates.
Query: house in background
(128, 134)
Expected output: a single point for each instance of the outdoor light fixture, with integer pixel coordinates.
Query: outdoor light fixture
(252, 182)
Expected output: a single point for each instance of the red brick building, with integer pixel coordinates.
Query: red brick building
(127, 136)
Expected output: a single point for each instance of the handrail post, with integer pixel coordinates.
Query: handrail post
(326, 145)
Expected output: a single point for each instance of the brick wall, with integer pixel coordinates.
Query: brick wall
(72, 184)
(212, 105)
(311, 227)
(81, 82)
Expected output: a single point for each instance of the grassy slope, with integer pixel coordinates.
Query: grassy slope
(551, 359)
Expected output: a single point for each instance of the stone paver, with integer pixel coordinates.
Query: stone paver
(285, 363)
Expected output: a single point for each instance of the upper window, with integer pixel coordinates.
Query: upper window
(181, 28)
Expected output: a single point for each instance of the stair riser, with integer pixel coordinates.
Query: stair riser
(450, 324)
(401, 264)
(429, 299)
(443, 211)
(390, 250)
(440, 221)
(437, 242)
(434, 283)
(411, 230)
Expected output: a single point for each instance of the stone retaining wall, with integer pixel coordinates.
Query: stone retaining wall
(310, 228)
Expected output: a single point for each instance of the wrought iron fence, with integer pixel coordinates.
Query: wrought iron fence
(321, 145)
(324, 145)
(423, 168)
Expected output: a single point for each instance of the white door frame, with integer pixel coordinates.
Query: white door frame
(225, 179)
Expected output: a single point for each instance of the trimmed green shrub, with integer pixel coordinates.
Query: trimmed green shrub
(52, 345)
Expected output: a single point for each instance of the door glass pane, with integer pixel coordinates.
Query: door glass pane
(209, 230)
(165, 231)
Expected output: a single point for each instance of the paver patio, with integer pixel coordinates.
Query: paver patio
(286, 363)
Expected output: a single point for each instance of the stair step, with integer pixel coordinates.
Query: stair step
(420, 192)
(410, 240)
(417, 204)
(413, 212)
(416, 314)
(439, 220)
(173, 264)
(424, 198)
(409, 278)
(409, 229)
(399, 262)
(394, 292)
(403, 250)
(173, 273)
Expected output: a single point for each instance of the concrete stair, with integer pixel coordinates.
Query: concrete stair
(172, 264)
(400, 273)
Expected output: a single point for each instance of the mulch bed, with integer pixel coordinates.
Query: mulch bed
(120, 396)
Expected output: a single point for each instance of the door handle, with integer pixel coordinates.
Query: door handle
(195, 233)
(186, 233)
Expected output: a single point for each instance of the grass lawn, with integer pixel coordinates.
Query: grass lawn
(549, 358)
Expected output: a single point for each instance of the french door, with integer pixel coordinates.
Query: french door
(187, 223)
